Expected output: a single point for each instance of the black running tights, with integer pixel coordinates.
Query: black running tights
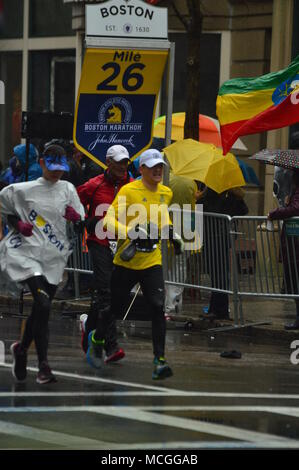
(152, 285)
(37, 324)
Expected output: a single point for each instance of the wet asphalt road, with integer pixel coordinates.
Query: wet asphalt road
(210, 402)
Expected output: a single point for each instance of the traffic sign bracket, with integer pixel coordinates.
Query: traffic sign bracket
(113, 43)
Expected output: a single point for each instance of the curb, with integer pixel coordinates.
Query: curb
(185, 321)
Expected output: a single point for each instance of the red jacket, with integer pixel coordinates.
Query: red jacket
(96, 191)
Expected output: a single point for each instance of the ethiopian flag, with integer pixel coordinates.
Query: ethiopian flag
(251, 105)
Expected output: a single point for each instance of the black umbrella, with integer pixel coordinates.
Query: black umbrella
(288, 159)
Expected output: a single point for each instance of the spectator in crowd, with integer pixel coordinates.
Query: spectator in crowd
(185, 192)
(217, 243)
(290, 247)
(3, 227)
(133, 169)
(16, 172)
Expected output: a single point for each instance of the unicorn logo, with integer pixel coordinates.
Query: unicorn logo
(114, 115)
(116, 110)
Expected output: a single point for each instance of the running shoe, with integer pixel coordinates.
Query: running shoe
(94, 351)
(19, 364)
(114, 355)
(83, 318)
(45, 375)
(161, 370)
(84, 335)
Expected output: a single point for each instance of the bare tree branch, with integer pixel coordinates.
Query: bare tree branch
(193, 7)
(179, 15)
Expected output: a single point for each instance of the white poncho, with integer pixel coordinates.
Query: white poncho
(46, 252)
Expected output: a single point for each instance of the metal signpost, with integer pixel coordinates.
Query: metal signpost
(127, 50)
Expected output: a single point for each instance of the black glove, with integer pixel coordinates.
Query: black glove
(143, 241)
(177, 241)
(137, 233)
(140, 241)
(13, 220)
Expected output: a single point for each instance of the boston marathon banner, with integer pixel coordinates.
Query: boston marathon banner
(117, 100)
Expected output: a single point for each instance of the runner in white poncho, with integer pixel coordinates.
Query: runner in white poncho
(36, 249)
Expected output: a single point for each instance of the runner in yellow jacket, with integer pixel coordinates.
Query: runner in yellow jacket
(139, 217)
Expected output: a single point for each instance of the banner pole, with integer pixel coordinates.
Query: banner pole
(170, 88)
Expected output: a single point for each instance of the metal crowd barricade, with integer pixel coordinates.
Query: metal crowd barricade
(265, 258)
(79, 261)
(238, 256)
(209, 267)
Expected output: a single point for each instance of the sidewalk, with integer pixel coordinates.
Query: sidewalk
(267, 317)
(272, 313)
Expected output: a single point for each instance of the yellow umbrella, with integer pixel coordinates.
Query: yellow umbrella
(209, 129)
(205, 163)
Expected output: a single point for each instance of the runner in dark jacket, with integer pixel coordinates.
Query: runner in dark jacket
(97, 192)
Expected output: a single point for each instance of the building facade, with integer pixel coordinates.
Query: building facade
(42, 47)
(37, 63)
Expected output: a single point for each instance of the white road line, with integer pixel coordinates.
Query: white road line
(106, 381)
(282, 410)
(50, 437)
(146, 415)
(237, 408)
(83, 394)
(198, 445)
(288, 410)
(190, 424)
(67, 441)
(156, 391)
(165, 390)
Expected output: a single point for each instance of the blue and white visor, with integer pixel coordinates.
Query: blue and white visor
(56, 162)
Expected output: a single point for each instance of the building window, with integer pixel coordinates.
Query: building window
(209, 73)
(11, 19)
(52, 81)
(52, 18)
(11, 111)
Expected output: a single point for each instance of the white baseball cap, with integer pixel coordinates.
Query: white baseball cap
(117, 153)
(151, 157)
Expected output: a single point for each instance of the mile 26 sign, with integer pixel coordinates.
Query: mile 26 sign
(118, 89)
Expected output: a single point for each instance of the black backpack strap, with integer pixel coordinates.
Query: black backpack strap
(91, 199)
